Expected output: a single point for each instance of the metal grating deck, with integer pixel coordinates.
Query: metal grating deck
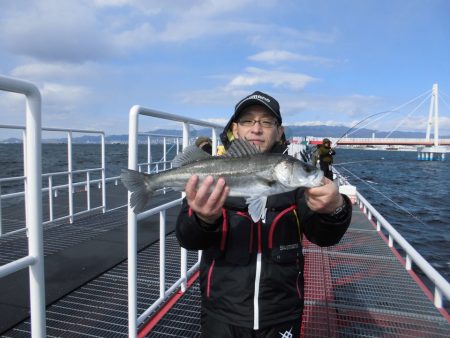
(99, 308)
(357, 288)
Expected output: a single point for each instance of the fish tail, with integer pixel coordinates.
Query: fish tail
(141, 187)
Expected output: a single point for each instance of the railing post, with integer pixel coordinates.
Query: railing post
(438, 301)
(1, 230)
(88, 190)
(162, 253)
(50, 197)
(132, 227)
(70, 174)
(149, 155)
(103, 173)
(183, 264)
(164, 153)
(214, 141)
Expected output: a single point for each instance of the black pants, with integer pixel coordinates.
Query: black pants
(327, 171)
(212, 328)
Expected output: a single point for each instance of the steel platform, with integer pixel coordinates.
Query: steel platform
(358, 288)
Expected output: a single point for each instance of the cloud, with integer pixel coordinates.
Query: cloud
(55, 71)
(257, 77)
(351, 105)
(281, 56)
(54, 30)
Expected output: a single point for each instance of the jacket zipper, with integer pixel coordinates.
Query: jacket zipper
(257, 281)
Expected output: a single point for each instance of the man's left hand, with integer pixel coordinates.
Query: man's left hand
(324, 199)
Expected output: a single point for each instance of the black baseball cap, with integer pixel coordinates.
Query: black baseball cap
(257, 98)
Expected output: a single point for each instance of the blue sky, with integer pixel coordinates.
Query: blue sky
(327, 62)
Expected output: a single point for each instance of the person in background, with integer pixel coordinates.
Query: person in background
(204, 143)
(324, 155)
(251, 273)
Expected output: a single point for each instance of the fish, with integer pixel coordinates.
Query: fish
(246, 170)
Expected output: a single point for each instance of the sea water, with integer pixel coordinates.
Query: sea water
(414, 196)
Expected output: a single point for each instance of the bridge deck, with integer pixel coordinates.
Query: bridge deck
(356, 288)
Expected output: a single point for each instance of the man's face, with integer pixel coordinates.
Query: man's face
(263, 134)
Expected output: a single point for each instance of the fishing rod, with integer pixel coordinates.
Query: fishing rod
(365, 119)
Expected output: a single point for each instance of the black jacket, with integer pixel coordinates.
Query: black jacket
(251, 274)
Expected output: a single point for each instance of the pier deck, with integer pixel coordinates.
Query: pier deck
(356, 288)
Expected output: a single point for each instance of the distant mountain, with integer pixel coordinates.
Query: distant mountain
(341, 131)
(291, 131)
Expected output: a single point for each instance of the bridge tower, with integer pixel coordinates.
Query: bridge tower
(435, 152)
(433, 116)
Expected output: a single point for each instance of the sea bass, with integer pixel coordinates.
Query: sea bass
(248, 172)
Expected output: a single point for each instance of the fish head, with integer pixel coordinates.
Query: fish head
(293, 173)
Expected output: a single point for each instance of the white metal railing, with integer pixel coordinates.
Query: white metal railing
(33, 184)
(69, 173)
(163, 163)
(441, 286)
(135, 112)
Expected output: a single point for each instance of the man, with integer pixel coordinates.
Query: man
(204, 143)
(324, 155)
(251, 274)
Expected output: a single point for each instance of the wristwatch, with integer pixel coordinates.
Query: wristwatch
(340, 211)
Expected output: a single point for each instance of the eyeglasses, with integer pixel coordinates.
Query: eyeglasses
(262, 123)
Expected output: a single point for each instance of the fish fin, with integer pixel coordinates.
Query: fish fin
(256, 207)
(190, 154)
(141, 187)
(240, 147)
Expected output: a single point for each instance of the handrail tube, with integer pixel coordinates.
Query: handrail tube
(9, 179)
(34, 204)
(159, 135)
(156, 210)
(17, 265)
(426, 267)
(172, 117)
(142, 318)
(9, 126)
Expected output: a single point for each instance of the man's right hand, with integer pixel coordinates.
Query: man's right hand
(206, 205)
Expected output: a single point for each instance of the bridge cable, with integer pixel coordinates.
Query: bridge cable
(383, 112)
(407, 116)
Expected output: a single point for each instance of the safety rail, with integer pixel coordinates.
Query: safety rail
(163, 161)
(441, 285)
(33, 166)
(135, 112)
(69, 173)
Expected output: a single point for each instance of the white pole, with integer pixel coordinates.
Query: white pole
(436, 115)
(430, 116)
(103, 174)
(132, 226)
(214, 141)
(183, 258)
(162, 253)
(34, 207)
(70, 175)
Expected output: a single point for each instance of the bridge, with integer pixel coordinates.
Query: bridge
(426, 144)
(381, 141)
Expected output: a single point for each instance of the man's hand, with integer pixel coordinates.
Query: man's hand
(207, 205)
(324, 199)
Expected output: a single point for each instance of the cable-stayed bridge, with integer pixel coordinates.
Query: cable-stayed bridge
(428, 141)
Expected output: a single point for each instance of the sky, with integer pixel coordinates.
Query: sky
(331, 62)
